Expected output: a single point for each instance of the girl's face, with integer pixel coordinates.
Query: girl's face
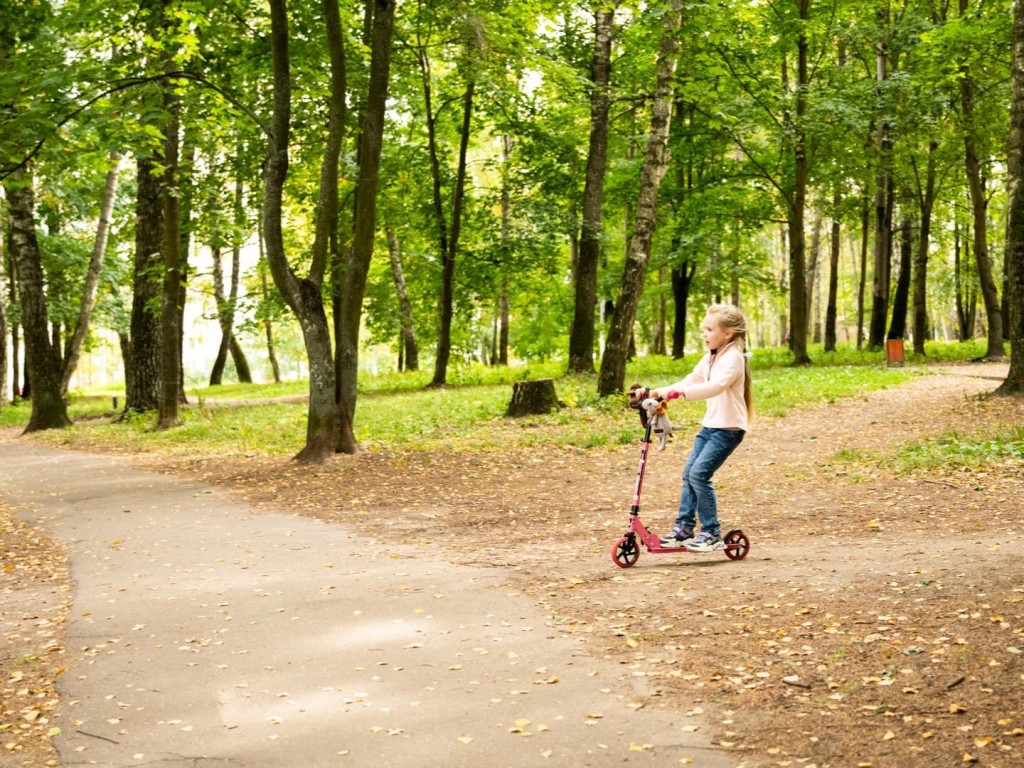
(715, 337)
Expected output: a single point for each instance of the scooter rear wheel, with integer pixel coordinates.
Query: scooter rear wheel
(625, 552)
(737, 545)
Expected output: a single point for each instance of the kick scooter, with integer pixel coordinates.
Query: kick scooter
(626, 551)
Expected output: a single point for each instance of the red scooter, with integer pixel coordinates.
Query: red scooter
(626, 551)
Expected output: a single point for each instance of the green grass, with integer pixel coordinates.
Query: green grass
(399, 411)
(958, 451)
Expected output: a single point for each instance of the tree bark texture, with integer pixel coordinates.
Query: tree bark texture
(170, 298)
(611, 378)
(530, 397)
(1014, 383)
(49, 410)
(581, 339)
(142, 370)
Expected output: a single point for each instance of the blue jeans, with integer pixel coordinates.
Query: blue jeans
(711, 448)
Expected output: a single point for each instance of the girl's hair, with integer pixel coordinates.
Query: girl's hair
(731, 319)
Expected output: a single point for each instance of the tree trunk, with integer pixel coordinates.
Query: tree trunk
(581, 339)
(682, 279)
(798, 307)
(142, 368)
(865, 219)
(221, 359)
(304, 295)
(365, 224)
(898, 325)
(883, 160)
(444, 336)
(612, 375)
(3, 323)
(268, 323)
(170, 310)
(73, 349)
(964, 285)
(833, 273)
(49, 410)
(1014, 267)
(926, 201)
(979, 207)
(242, 370)
(410, 348)
(12, 276)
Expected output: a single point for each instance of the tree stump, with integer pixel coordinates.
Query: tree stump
(533, 397)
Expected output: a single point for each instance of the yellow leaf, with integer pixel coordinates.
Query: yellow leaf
(956, 709)
(969, 758)
(465, 739)
(631, 642)
(522, 722)
(889, 736)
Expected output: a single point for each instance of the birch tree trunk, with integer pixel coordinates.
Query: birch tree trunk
(611, 378)
(73, 346)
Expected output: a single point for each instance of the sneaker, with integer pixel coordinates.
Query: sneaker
(705, 542)
(678, 538)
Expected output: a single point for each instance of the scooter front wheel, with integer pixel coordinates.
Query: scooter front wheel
(737, 545)
(625, 552)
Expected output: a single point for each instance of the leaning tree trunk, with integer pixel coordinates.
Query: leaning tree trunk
(581, 339)
(898, 324)
(49, 410)
(612, 375)
(73, 348)
(1014, 383)
(142, 367)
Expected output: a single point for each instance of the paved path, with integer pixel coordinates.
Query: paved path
(205, 633)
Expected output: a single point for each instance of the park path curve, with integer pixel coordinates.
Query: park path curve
(205, 632)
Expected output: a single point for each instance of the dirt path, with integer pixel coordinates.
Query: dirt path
(876, 622)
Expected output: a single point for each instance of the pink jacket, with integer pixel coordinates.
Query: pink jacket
(720, 381)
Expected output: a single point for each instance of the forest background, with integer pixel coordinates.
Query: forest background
(549, 180)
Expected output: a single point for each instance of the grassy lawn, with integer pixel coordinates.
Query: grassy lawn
(398, 411)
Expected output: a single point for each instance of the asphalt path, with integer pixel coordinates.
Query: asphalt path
(207, 633)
